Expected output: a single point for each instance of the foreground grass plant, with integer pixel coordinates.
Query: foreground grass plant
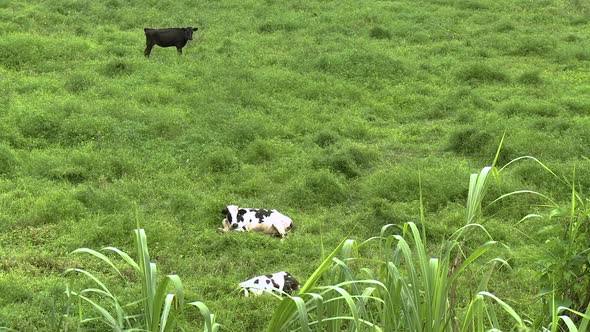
(404, 288)
(159, 308)
(565, 266)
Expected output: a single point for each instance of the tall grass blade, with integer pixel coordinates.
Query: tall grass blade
(301, 312)
(287, 307)
(125, 257)
(92, 277)
(585, 319)
(469, 260)
(98, 255)
(507, 308)
(569, 323)
(165, 313)
(108, 318)
(209, 319)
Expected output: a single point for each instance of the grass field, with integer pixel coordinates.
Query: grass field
(328, 111)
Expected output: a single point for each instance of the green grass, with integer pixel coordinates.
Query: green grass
(327, 111)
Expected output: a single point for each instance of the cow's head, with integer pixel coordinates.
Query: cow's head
(188, 32)
(234, 218)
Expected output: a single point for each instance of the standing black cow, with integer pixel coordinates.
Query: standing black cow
(167, 37)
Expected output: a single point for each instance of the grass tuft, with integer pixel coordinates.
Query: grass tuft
(349, 160)
(469, 141)
(8, 161)
(326, 138)
(222, 160)
(480, 73)
(530, 78)
(117, 67)
(533, 47)
(321, 188)
(380, 33)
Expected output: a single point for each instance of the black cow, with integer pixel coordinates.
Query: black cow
(167, 37)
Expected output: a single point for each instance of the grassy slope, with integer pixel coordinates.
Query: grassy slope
(325, 110)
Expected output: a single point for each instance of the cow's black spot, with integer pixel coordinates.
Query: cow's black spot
(261, 213)
(244, 227)
(240, 216)
(267, 281)
(256, 281)
(269, 276)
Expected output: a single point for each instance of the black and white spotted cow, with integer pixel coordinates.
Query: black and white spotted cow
(280, 282)
(270, 222)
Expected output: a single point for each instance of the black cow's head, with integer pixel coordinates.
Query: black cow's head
(188, 32)
(291, 284)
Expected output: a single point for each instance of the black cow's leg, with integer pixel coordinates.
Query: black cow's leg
(179, 49)
(148, 49)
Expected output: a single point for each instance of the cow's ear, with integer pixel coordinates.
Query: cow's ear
(241, 212)
(195, 29)
(224, 211)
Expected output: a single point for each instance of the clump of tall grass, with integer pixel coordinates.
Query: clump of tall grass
(404, 288)
(326, 138)
(8, 160)
(348, 159)
(531, 78)
(222, 160)
(533, 47)
(480, 73)
(469, 141)
(565, 269)
(379, 33)
(158, 308)
(321, 188)
(544, 109)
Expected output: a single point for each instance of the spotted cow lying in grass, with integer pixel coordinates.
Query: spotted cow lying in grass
(280, 282)
(270, 222)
